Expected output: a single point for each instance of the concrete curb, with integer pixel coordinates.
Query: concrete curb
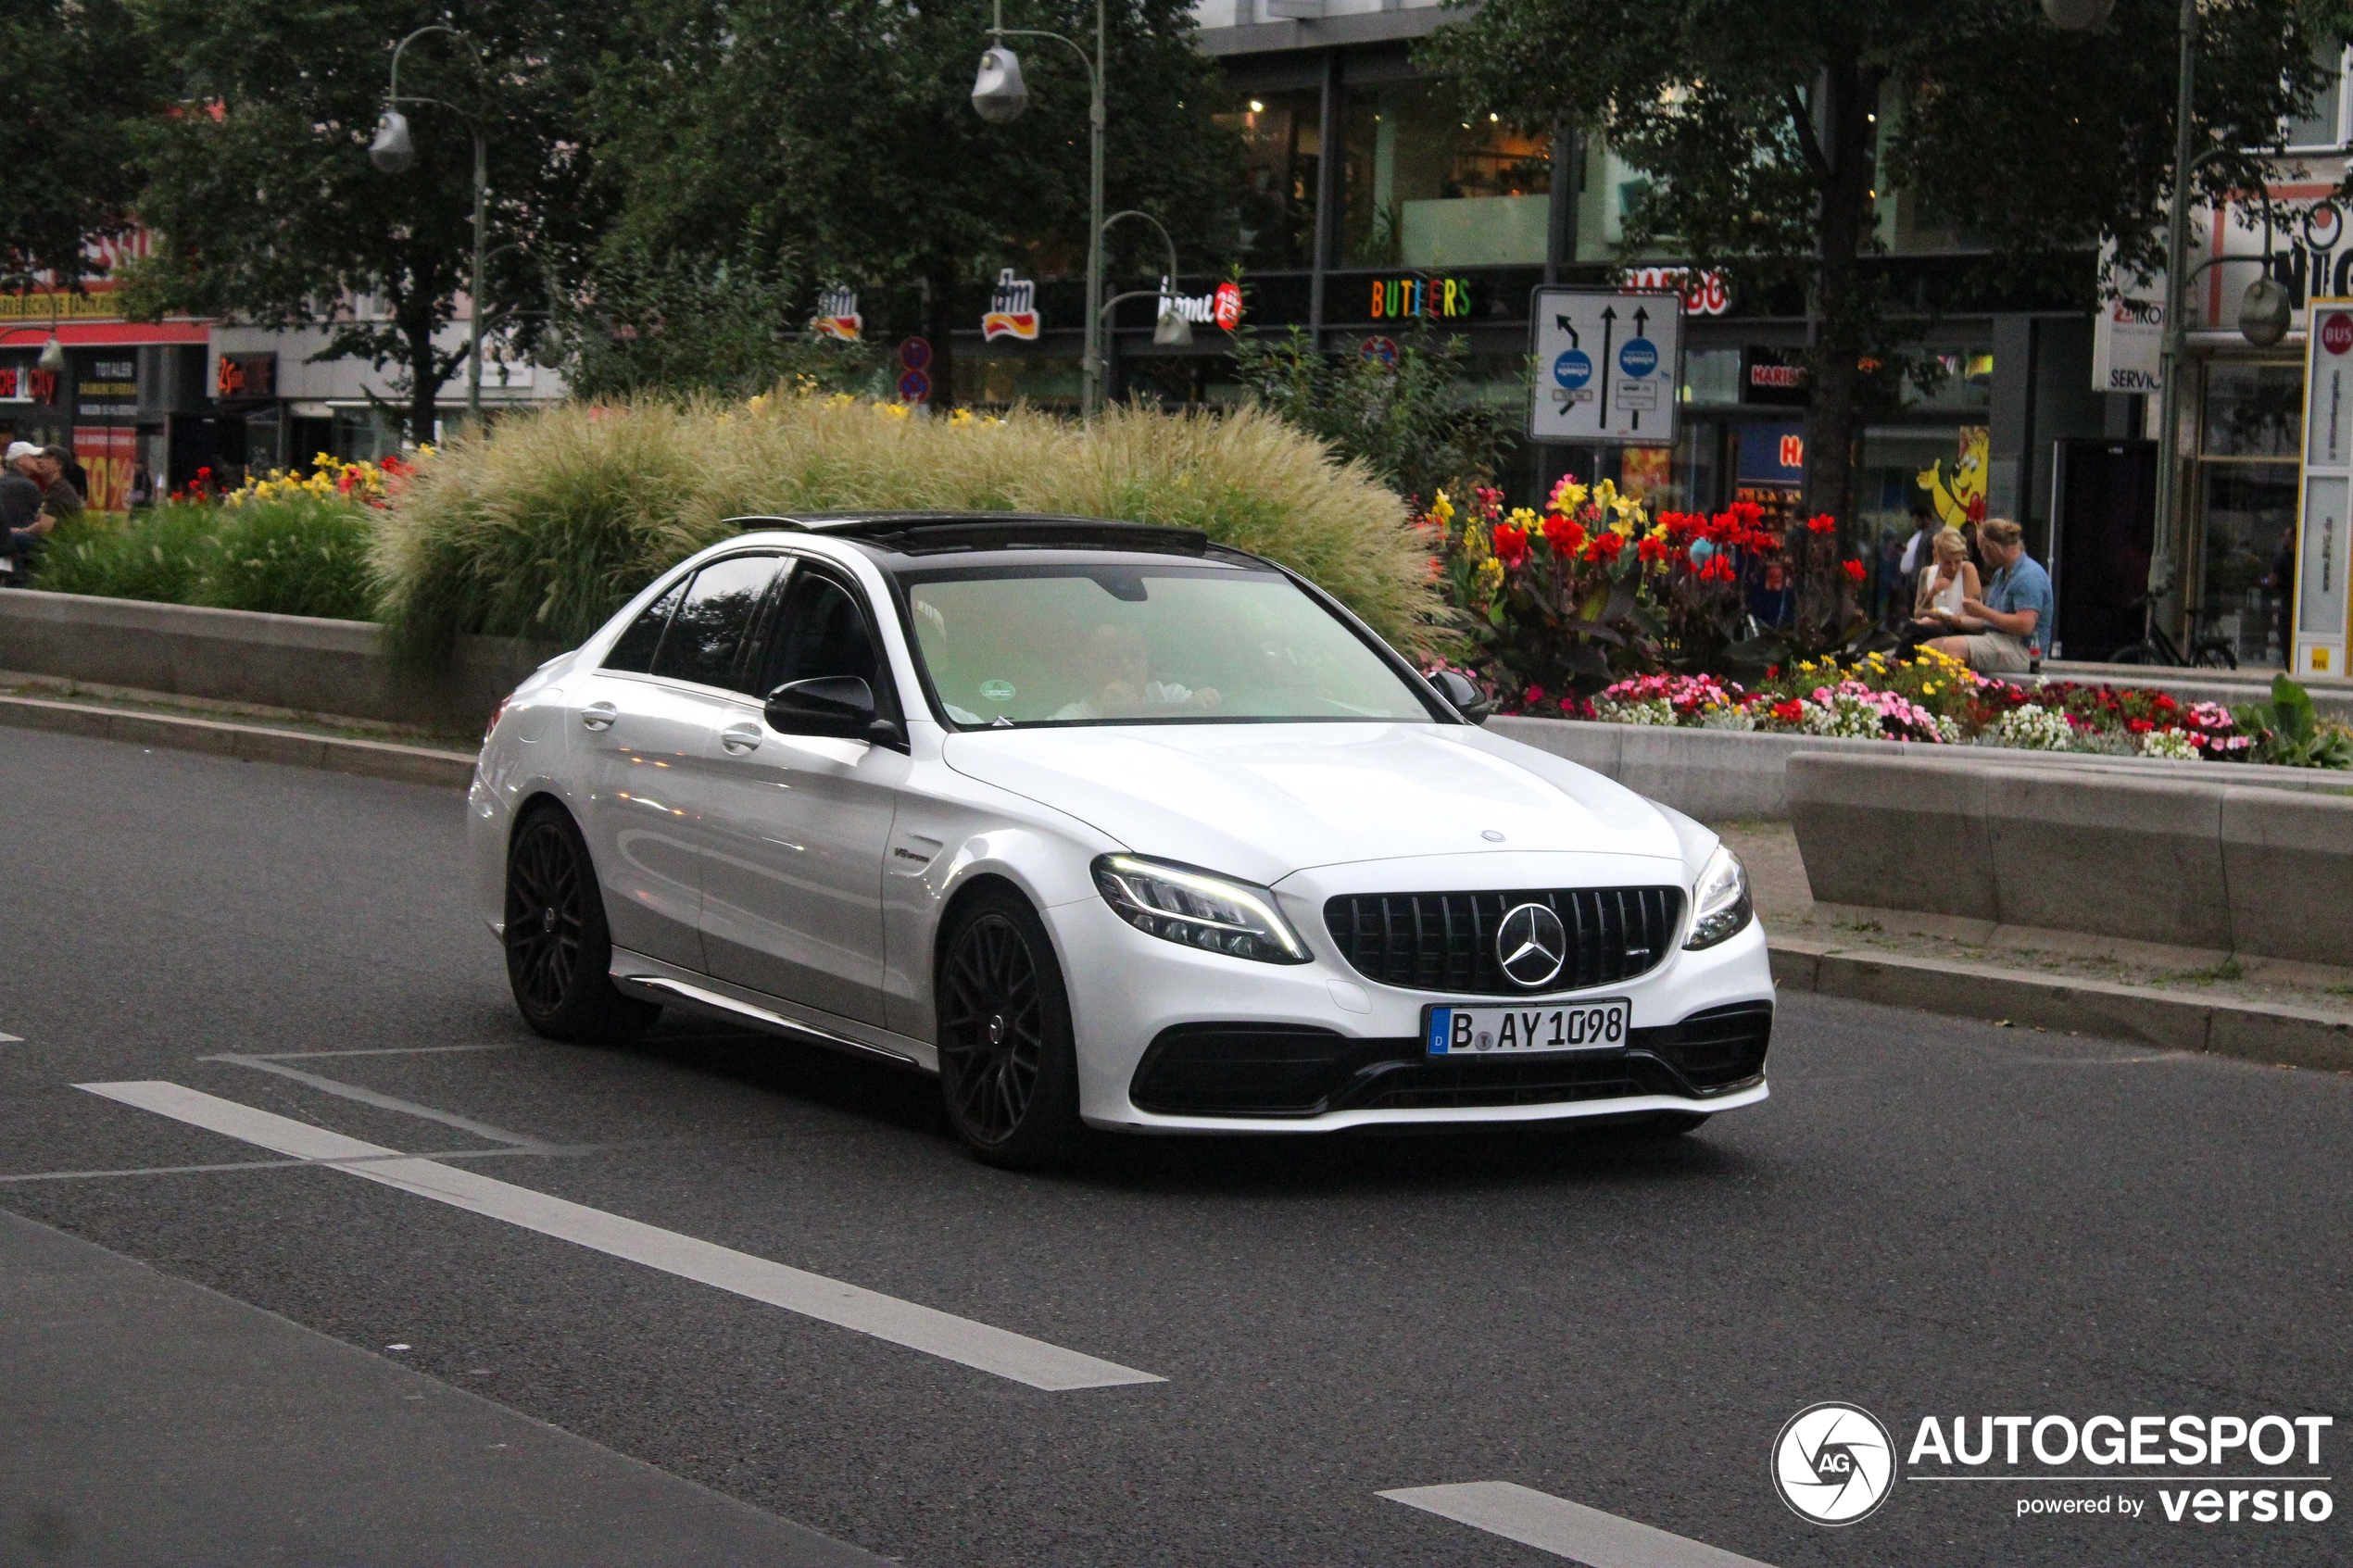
(249, 743)
(2284, 1035)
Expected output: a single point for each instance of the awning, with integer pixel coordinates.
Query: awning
(106, 334)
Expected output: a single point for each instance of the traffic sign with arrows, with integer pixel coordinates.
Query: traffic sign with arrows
(1623, 389)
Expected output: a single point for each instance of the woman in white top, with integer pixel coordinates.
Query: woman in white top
(1943, 584)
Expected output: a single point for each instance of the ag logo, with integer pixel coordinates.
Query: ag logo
(1833, 1464)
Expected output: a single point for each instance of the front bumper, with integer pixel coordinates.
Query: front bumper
(1170, 1038)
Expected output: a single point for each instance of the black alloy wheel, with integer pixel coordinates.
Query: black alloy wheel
(559, 951)
(1008, 1072)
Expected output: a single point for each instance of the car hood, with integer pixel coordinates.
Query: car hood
(1261, 801)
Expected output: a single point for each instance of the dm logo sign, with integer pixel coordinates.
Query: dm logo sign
(1833, 1464)
(1573, 368)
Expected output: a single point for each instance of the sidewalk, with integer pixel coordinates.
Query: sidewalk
(2265, 1011)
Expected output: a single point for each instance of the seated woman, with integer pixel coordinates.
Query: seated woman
(1945, 584)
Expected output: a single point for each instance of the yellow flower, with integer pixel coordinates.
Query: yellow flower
(960, 417)
(1491, 577)
(1571, 496)
(756, 402)
(1474, 544)
(1442, 510)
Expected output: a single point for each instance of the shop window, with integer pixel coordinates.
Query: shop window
(1428, 185)
(1281, 138)
(2323, 124)
(2247, 556)
(1712, 376)
(1964, 385)
(2252, 410)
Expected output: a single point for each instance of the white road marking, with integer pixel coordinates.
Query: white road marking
(567, 1151)
(1565, 1529)
(11, 1039)
(385, 1102)
(935, 1333)
(377, 1050)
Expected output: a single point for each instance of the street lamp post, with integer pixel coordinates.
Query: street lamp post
(999, 97)
(393, 151)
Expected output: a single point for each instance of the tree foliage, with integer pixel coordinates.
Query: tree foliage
(1419, 425)
(1770, 128)
(843, 131)
(77, 81)
(688, 322)
(268, 210)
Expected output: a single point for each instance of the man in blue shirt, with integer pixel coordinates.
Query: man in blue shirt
(2011, 627)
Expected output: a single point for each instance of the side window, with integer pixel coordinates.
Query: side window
(820, 631)
(635, 650)
(705, 641)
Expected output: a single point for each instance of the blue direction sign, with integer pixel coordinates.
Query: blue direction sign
(1638, 358)
(1573, 368)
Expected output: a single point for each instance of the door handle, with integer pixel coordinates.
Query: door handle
(740, 739)
(599, 715)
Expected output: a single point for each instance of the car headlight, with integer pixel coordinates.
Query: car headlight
(1196, 910)
(1720, 904)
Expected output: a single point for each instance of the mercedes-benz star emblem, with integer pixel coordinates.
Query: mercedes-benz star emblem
(1531, 945)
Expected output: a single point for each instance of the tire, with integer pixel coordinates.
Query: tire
(2133, 653)
(1008, 1066)
(2218, 655)
(558, 949)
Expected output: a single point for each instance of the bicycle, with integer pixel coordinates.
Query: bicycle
(2209, 649)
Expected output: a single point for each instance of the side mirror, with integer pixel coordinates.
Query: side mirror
(1465, 696)
(838, 707)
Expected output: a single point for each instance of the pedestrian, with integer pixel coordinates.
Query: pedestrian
(70, 467)
(41, 465)
(2014, 619)
(1917, 549)
(22, 526)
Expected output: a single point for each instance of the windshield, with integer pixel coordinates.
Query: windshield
(1150, 644)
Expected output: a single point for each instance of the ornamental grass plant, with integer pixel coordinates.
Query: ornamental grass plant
(549, 523)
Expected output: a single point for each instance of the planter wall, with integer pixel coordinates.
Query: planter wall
(340, 667)
(2184, 859)
(1736, 775)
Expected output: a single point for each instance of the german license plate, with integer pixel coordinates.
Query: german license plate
(1508, 1031)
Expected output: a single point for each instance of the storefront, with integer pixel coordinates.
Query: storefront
(126, 390)
(1374, 209)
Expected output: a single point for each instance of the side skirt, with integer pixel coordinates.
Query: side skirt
(656, 981)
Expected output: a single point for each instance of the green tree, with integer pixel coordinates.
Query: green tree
(77, 81)
(268, 209)
(1769, 126)
(686, 322)
(1419, 424)
(843, 131)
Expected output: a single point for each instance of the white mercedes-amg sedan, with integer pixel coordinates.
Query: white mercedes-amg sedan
(1107, 826)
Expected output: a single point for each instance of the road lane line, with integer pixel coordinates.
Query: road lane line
(567, 1151)
(375, 1050)
(384, 1102)
(935, 1333)
(1565, 1529)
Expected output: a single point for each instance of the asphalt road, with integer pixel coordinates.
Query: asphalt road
(1930, 1217)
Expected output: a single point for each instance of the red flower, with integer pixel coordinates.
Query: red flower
(1511, 544)
(1652, 549)
(1605, 547)
(2139, 726)
(1535, 694)
(1564, 537)
(1789, 711)
(1823, 524)
(1854, 570)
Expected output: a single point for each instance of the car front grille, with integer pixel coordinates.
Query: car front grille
(1445, 942)
(1269, 1069)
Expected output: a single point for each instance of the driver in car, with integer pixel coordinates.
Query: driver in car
(1118, 670)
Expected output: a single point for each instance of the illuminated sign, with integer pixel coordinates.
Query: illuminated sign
(837, 315)
(1395, 298)
(245, 376)
(1013, 309)
(1704, 294)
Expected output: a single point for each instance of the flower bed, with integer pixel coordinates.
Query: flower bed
(1938, 700)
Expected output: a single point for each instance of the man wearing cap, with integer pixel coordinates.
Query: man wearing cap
(40, 464)
(22, 518)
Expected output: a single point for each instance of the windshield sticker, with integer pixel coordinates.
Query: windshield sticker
(997, 691)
